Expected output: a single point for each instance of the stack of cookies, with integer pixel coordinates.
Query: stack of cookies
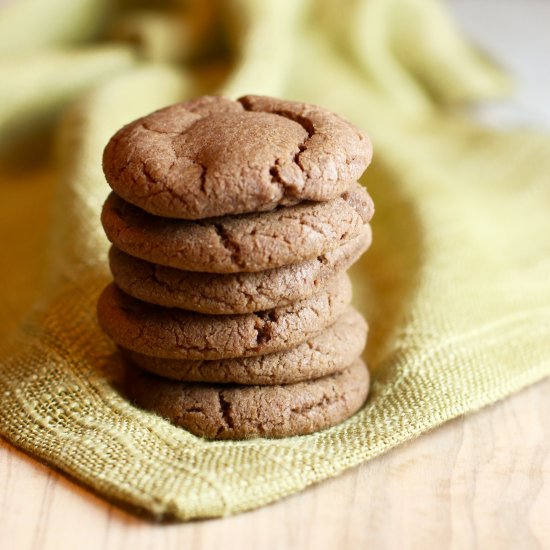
(233, 224)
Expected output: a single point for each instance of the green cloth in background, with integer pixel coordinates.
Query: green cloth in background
(456, 286)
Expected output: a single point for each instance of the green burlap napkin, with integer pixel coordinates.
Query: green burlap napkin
(455, 287)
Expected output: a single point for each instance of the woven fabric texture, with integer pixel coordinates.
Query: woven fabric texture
(456, 286)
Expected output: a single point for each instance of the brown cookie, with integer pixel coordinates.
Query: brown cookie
(213, 156)
(329, 351)
(245, 412)
(250, 242)
(233, 292)
(178, 334)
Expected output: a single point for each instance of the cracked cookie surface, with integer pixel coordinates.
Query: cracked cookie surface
(330, 351)
(245, 243)
(178, 334)
(244, 412)
(233, 292)
(213, 156)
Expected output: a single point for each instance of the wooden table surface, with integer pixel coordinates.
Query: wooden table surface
(480, 481)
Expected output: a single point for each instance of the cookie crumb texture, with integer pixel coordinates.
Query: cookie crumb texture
(246, 243)
(232, 226)
(326, 353)
(246, 292)
(213, 156)
(244, 412)
(178, 334)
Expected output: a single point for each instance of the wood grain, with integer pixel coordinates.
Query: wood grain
(481, 481)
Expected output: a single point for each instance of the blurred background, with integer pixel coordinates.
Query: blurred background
(516, 34)
(209, 37)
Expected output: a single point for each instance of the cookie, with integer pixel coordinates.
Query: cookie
(244, 412)
(250, 242)
(233, 292)
(178, 334)
(213, 156)
(329, 351)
